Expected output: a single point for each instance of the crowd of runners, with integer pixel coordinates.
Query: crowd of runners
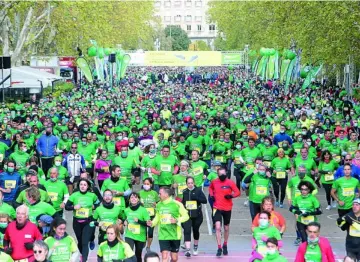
(149, 152)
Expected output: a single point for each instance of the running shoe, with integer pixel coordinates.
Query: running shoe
(297, 242)
(225, 251)
(277, 204)
(246, 203)
(281, 205)
(195, 251)
(188, 254)
(328, 207)
(219, 252)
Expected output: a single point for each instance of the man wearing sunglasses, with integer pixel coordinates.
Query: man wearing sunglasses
(355, 171)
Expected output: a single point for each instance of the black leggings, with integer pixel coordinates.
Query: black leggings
(302, 230)
(277, 183)
(238, 174)
(327, 188)
(150, 230)
(101, 237)
(138, 247)
(354, 253)
(195, 224)
(83, 233)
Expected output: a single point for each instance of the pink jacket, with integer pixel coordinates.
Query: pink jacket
(327, 254)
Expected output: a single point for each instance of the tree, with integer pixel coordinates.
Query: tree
(199, 45)
(179, 38)
(325, 31)
(58, 28)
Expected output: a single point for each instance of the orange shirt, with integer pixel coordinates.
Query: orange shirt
(276, 220)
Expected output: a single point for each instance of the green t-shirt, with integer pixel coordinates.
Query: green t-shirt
(41, 208)
(56, 191)
(107, 216)
(280, 166)
(212, 175)
(86, 201)
(166, 167)
(7, 209)
(308, 163)
(135, 153)
(121, 186)
(120, 251)
(273, 258)
(249, 155)
(313, 253)
(259, 188)
(330, 168)
(147, 163)
(268, 232)
(307, 204)
(149, 199)
(20, 158)
(293, 185)
(345, 189)
(63, 250)
(126, 164)
(63, 173)
(21, 199)
(197, 169)
(134, 230)
(180, 180)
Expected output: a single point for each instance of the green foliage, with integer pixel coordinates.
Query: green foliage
(220, 43)
(199, 45)
(180, 39)
(326, 31)
(60, 88)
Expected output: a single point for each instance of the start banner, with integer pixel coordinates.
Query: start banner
(183, 58)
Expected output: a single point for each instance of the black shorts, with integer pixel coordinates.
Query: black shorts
(169, 245)
(219, 215)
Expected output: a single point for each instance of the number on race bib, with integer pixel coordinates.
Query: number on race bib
(191, 205)
(198, 171)
(329, 177)
(53, 196)
(181, 189)
(307, 220)
(135, 229)
(219, 158)
(10, 183)
(165, 168)
(151, 211)
(261, 190)
(82, 212)
(165, 219)
(280, 174)
(349, 191)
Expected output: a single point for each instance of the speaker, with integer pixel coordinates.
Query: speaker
(112, 58)
(5, 62)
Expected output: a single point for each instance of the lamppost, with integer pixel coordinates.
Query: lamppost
(157, 44)
(246, 58)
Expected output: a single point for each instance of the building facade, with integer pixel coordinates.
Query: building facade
(190, 15)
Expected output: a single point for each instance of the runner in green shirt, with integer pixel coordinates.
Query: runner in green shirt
(21, 157)
(179, 180)
(280, 167)
(62, 247)
(127, 165)
(306, 207)
(147, 163)
(327, 168)
(272, 253)
(136, 221)
(343, 191)
(169, 216)
(57, 191)
(149, 198)
(106, 214)
(198, 169)
(118, 185)
(165, 166)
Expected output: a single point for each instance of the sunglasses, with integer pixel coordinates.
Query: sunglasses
(73, 147)
(37, 251)
(304, 189)
(348, 159)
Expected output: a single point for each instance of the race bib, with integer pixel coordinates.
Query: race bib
(297, 150)
(87, 163)
(219, 158)
(261, 190)
(191, 205)
(198, 171)
(105, 224)
(267, 163)
(280, 174)
(307, 220)
(151, 211)
(181, 189)
(354, 232)
(329, 177)
(135, 229)
(280, 144)
(297, 193)
(237, 160)
(262, 250)
(82, 212)
(337, 158)
(165, 168)
(349, 191)
(53, 196)
(10, 183)
(165, 219)
(250, 166)
(117, 201)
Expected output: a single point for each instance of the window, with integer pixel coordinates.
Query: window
(199, 27)
(188, 27)
(167, 4)
(211, 27)
(177, 26)
(177, 3)
(188, 3)
(167, 18)
(177, 18)
(188, 18)
(198, 18)
(157, 4)
(198, 3)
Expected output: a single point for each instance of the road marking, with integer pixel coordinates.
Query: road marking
(209, 224)
(239, 219)
(330, 216)
(287, 236)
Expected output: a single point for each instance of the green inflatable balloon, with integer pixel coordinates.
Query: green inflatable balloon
(290, 55)
(272, 51)
(304, 72)
(92, 51)
(107, 51)
(263, 51)
(230, 67)
(101, 53)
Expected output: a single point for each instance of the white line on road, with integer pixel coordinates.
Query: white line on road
(209, 224)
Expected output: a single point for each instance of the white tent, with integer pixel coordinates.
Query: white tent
(27, 77)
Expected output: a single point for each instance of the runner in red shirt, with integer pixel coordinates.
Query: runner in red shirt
(20, 236)
(222, 190)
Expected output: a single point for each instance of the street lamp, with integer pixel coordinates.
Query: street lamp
(157, 44)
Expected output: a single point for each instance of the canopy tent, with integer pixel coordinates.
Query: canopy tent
(27, 77)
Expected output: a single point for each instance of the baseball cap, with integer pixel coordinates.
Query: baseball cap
(216, 163)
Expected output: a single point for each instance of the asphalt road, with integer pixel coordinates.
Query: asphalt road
(239, 244)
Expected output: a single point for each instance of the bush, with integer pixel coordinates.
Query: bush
(60, 88)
